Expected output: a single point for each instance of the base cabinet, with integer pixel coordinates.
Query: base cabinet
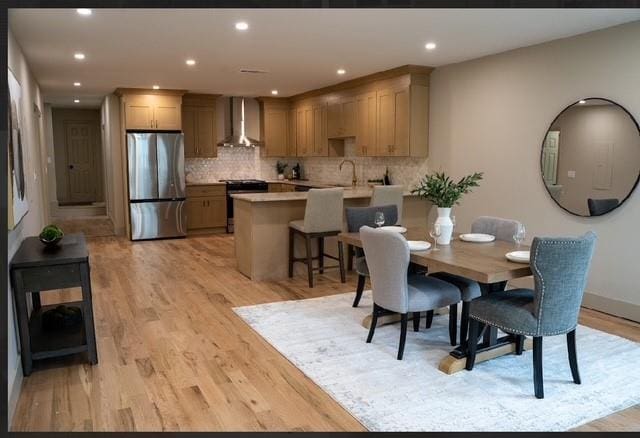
(206, 208)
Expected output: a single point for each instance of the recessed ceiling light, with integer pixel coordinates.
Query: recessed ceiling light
(156, 87)
(190, 62)
(341, 71)
(79, 56)
(76, 84)
(83, 11)
(76, 100)
(274, 92)
(430, 46)
(242, 25)
(582, 102)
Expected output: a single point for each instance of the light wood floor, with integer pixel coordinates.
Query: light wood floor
(173, 355)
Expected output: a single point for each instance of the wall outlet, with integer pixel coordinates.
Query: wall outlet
(571, 174)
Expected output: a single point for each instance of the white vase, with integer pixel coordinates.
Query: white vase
(446, 225)
(281, 176)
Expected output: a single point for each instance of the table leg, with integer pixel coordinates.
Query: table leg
(35, 300)
(87, 305)
(23, 324)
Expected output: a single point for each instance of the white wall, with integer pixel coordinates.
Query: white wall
(492, 114)
(113, 162)
(33, 131)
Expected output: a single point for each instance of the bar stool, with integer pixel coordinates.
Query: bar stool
(388, 195)
(322, 218)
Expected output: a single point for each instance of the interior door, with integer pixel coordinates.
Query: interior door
(81, 142)
(550, 158)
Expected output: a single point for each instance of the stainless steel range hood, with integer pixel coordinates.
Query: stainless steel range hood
(239, 122)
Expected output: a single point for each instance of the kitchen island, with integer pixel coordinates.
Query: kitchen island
(262, 228)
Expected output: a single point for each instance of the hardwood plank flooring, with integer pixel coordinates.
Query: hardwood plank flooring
(174, 357)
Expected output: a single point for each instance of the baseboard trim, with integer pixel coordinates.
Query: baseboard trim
(611, 306)
(16, 388)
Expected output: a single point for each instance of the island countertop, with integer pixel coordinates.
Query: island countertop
(349, 193)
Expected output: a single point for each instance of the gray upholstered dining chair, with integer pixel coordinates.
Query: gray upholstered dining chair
(322, 218)
(503, 229)
(358, 217)
(387, 256)
(599, 207)
(388, 195)
(560, 267)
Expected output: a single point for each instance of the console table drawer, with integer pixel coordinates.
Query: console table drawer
(50, 277)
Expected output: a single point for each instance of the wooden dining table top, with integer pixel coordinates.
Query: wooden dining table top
(482, 262)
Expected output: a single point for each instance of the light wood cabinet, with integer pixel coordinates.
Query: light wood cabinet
(393, 122)
(277, 135)
(320, 144)
(341, 118)
(199, 126)
(206, 207)
(366, 124)
(152, 112)
(293, 136)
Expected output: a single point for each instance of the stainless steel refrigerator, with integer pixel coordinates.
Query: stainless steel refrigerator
(156, 185)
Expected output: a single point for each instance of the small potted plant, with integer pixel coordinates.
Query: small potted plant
(280, 167)
(443, 192)
(51, 235)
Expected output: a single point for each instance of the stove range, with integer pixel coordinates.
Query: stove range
(241, 186)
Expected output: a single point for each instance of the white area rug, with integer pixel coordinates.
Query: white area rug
(325, 339)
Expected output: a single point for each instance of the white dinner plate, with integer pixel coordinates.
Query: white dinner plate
(394, 228)
(477, 237)
(418, 245)
(518, 256)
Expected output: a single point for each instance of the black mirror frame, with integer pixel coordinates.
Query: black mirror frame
(622, 201)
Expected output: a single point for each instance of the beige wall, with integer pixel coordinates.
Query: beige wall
(492, 114)
(583, 129)
(59, 116)
(113, 162)
(33, 131)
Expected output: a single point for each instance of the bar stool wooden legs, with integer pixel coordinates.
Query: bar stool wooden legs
(308, 259)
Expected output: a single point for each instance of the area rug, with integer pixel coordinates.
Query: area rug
(324, 338)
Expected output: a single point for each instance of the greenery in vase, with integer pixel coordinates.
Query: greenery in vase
(280, 167)
(443, 191)
(51, 233)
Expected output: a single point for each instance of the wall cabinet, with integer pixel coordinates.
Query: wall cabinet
(366, 124)
(278, 128)
(341, 118)
(152, 112)
(199, 126)
(206, 207)
(393, 122)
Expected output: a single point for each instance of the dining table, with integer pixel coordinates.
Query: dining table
(485, 263)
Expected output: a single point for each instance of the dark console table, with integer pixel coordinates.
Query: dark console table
(35, 269)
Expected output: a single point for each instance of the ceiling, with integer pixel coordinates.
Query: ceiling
(301, 49)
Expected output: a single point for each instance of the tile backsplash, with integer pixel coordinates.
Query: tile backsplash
(243, 163)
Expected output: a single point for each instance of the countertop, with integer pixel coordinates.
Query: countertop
(349, 193)
(205, 183)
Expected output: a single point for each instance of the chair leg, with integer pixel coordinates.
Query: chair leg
(374, 321)
(519, 344)
(403, 334)
(464, 322)
(573, 357)
(359, 290)
(453, 323)
(321, 255)
(350, 254)
(538, 383)
(416, 321)
(428, 319)
(309, 260)
(343, 275)
(472, 343)
(291, 253)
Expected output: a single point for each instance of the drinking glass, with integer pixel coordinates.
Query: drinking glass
(435, 233)
(379, 218)
(519, 235)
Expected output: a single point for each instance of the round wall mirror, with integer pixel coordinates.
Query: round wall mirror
(591, 157)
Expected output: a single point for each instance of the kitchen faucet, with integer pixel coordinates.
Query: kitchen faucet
(354, 180)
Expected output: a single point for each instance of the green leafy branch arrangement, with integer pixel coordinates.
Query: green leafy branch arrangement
(280, 167)
(443, 191)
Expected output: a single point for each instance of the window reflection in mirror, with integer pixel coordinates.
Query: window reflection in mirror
(590, 157)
